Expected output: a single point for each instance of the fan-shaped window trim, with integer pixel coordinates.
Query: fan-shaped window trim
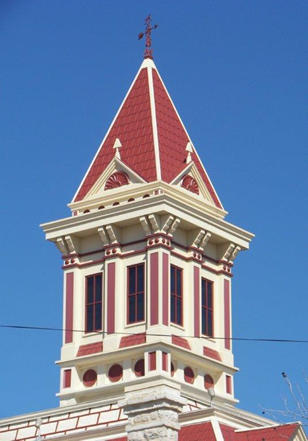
(117, 179)
(190, 184)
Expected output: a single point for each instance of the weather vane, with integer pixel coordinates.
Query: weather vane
(148, 40)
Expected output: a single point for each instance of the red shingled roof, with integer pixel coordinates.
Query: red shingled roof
(284, 432)
(152, 135)
(197, 432)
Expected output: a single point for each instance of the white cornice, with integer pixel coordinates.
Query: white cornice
(171, 200)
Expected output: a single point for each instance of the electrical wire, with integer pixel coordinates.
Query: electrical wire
(262, 340)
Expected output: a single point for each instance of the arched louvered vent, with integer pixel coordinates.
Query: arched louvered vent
(117, 179)
(190, 184)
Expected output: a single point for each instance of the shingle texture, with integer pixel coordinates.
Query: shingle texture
(135, 127)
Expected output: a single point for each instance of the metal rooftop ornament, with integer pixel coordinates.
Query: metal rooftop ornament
(148, 53)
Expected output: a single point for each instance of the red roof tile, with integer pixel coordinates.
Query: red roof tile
(284, 432)
(134, 116)
(135, 127)
(197, 432)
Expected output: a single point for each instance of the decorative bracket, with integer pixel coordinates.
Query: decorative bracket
(174, 226)
(72, 244)
(198, 238)
(167, 224)
(235, 252)
(60, 244)
(103, 236)
(154, 223)
(205, 240)
(145, 225)
(227, 254)
(111, 234)
(107, 235)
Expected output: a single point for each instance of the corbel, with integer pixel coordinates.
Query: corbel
(111, 234)
(145, 225)
(103, 236)
(198, 238)
(205, 240)
(228, 252)
(174, 226)
(167, 224)
(154, 223)
(72, 244)
(60, 244)
(235, 252)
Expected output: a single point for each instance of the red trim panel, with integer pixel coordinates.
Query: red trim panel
(228, 384)
(180, 341)
(154, 288)
(208, 352)
(152, 361)
(111, 298)
(227, 313)
(69, 306)
(165, 289)
(91, 348)
(67, 375)
(197, 301)
(132, 340)
(165, 361)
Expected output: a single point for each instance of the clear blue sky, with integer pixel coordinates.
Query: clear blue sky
(237, 72)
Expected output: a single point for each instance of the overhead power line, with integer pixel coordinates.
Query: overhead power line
(265, 340)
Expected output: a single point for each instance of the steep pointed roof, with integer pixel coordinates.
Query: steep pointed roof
(152, 135)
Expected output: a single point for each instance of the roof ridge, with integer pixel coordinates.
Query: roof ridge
(272, 426)
(154, 120)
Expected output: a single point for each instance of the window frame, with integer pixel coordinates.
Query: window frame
(86, 303)
(135, 294)
(207, 308)
(177, 323)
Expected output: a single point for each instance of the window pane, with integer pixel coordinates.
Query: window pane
(131, 307)
(132, 279)
(203, 296)
(98, 288)
(209, 295)
(179, 312)
(89, 324)
(172, 278)
(179, 282)
(172, 308)
(140, 273)
(203, 321)
(210, 323)
(98, 316)
(140, 307)
(90, 289)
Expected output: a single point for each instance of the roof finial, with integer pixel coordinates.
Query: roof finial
(189, 151)
(148, 40)
(117, 145)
